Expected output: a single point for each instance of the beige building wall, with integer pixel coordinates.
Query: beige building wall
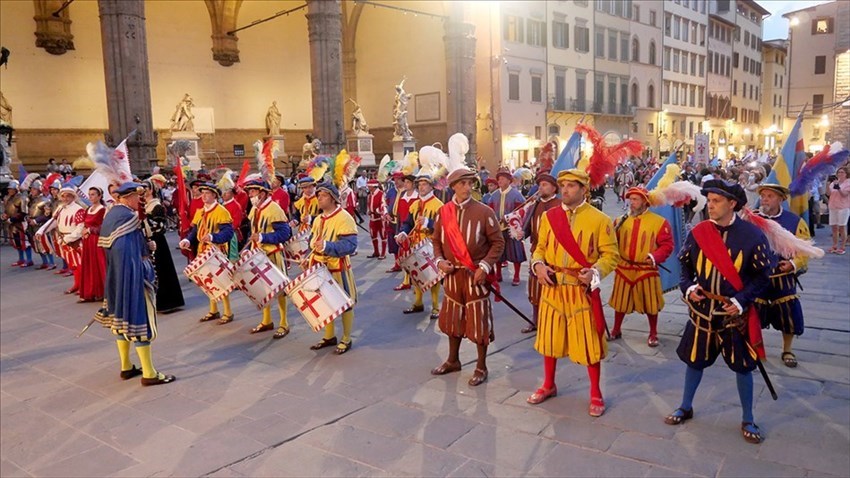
(774, 95)
(646, 71)
(746, 133)
(719, 84)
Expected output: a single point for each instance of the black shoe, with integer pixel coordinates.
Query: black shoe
(414, 309)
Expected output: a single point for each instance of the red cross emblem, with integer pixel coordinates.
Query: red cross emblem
(429, 263)
(261, 274)
(223, 267)
(308, 303)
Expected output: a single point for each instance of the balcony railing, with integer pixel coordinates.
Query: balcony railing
(577, 106)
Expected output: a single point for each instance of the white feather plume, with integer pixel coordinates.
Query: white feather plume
(782, 241)
(431, 159)
(458, 147)
(678, 194)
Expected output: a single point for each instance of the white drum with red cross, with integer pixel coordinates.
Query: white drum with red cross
(212, 272)
(318, 297)
(421, 264)
(258, 277)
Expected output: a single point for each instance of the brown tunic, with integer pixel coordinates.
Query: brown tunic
(540, 207)
(466, 310)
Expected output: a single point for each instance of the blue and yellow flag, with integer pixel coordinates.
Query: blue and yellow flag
(567, 159)
(787, 165)
(673, 215)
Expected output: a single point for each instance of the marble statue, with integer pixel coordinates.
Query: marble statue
(182, 118)
(5, 110)
(401, 128)
(358, 121)
(311, 148)
(273, 120)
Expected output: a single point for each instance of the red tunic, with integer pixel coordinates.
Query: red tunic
(281, 197)
(236, 212)
(93, 257)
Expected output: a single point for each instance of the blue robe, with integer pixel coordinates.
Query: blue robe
(780, 306)
(514, 250)
(130, 276)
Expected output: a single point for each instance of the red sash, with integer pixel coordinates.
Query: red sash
(709, 241)
(448, 214)
(563, 234)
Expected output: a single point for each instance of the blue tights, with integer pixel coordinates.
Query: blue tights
(745, 391)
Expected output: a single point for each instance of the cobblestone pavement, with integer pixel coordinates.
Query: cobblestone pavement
(247, 405)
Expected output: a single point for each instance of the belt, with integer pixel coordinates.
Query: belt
(713, 296)
(632, 265)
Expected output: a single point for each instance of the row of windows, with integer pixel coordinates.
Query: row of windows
(684, 29)
(750, 65)
(778, 80)
(720, 64)
(755, 43)
(753, 91)
(683, 94)
(718, 106)
(695, 5)
(619, 8)
(514, 87)
(745, 115)
(579, 103)
(720, 32)
(777, 100)
(684, 62)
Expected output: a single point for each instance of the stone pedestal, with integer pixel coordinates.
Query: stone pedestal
(361, 145)
(402, 146)
(9, 161)
(193, 155)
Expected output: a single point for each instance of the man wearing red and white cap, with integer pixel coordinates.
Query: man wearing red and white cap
(376, 208)
(645, 240)
(547, 187)
(69, 223)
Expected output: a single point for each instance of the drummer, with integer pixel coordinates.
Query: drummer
(417, 228)
(307, 206)
(334, 239)
(211, 227)
(269, 230)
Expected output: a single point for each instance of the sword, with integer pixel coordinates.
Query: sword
(489, 287)
(759, 364)
(361, 227)
(86, 328)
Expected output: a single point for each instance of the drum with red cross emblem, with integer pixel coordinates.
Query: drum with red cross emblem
(212, 272)
(258, 277)
(420, 263)
(318, 297)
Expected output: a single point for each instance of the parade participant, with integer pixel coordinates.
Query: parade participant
(211, 227)
(334, 239)
(393, 193)
(269, 230)
(92, 258)
(15, 215)
(645, 240)
(547, 187)
(169, 296)
(467, 244)
(376, 209)
(401, 211)
(779, 306)
(130, 286)
(69, 226)
(348, 201)
(418, 227)
(491, 184)
(725, 266)
(307, 206)
(505, 200)
(576, 249)
(40, 211)
(226, 185)
(195, 201)
(279, 193)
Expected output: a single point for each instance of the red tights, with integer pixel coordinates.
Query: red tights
(593, 373)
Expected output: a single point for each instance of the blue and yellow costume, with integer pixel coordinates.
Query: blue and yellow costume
(338, 231)
(216, 222)
(269, 221)
(305, 211)
(427, 207)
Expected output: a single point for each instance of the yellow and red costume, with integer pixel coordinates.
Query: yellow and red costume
(213, 221)
(306, 208)
(270, 222)
(426, 207)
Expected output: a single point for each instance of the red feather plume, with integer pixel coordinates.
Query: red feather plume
(547, 157)
(605, 159)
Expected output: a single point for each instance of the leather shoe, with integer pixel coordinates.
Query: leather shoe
(262, 328)
(160, 379)
(529, 329)
(402, 287)
(478, 377)
(446, 367)
(394, 269)
(414, 309)
(541, 395)
(133, 372)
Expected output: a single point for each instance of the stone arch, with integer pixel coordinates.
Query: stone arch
(653, 53)
(349, 54)
(635, 49)
(635, 93)
(223, 16)
(53, 33)
(650, 95)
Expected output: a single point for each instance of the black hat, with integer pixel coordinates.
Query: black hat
(210, 187)
(731, 191)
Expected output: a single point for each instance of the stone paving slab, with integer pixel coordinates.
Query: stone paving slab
(247, 405)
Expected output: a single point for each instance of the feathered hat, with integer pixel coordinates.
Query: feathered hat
(226, 182)
(265, 153)
(112, 163)
(546, 158)
(671, 192)
(781, 240)
(316, 169)
(410, 165)
(456, 165)
(48, 182)
(432, 162)
(342, 168)
(605, 158)
(822, 164)
(28, 181)
(386, 168)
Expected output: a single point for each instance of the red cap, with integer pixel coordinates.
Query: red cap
(639, 191)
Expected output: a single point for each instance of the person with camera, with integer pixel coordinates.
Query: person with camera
(839, 209)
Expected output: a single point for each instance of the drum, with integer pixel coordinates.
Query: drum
(298, 247)
(212, 272)
(258, 277)
(420, 263)
(318, 297)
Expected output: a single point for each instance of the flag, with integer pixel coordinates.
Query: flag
(96, 180)
(787, 165)
(22, 173)
(675, 216)
(182, 200)
(567, 159)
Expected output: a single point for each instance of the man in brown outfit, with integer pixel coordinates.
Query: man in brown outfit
(468, 243)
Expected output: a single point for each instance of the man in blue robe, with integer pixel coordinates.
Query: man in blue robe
(130, 291)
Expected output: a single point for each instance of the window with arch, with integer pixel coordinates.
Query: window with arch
(650, 96)
(635, 50)
(634, 98)
(652, 53)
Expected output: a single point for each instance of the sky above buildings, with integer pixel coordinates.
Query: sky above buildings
(775, 26)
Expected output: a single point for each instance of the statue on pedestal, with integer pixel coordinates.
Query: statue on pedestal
(311, 148)
(5, 110)
(273, 120)
(358, 121)
(182, 118)
(401, 129)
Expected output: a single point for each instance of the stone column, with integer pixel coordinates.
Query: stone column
(324, 26)
(459, 41)
(128, 93)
